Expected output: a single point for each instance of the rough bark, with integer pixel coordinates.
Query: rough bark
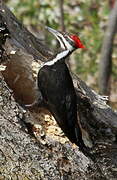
(21, 155)
(105, 65)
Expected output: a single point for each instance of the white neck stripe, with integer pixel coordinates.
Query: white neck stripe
(57, 58)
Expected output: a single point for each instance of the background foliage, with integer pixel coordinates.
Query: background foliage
(87, 18)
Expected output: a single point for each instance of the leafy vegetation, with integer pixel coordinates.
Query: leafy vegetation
(87, 18)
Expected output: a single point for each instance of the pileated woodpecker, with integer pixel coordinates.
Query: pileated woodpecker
(56, 87)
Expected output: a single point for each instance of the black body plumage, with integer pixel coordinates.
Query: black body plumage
(56, 87)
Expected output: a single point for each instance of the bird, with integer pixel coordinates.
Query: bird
(56, 86)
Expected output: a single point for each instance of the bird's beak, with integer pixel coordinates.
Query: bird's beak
(58, 35)
(54, 32)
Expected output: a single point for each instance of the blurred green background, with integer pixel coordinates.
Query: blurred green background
(87, 18)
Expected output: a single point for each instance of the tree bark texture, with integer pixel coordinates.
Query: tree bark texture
(24, 156)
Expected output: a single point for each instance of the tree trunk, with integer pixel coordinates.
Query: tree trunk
(23, 156)
(61, 4)
(105, 66)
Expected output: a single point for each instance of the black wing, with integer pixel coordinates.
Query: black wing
(58, 92)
